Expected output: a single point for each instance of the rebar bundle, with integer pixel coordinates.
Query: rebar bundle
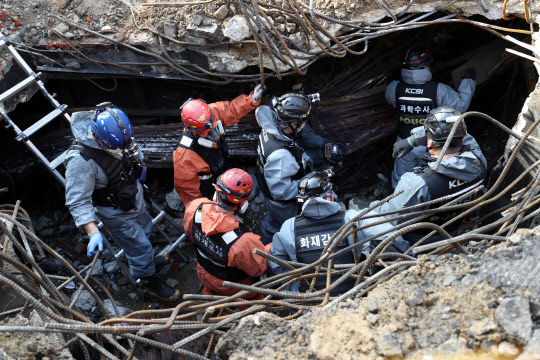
(270, 43)
(210, 315)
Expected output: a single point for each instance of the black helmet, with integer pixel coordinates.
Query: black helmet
(292, 109)
(315, 184)
(439, 123)
(417, 58)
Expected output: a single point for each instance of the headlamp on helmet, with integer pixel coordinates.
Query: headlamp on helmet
(315, 184)
(439, 124)
(417, 58)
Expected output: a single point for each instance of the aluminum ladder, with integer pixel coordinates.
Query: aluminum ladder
(60, 110)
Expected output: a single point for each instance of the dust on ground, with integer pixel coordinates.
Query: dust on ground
(31, 346)
(484, 306)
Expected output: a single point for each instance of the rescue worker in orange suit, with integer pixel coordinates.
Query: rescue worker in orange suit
(202, 150)
(224, 244)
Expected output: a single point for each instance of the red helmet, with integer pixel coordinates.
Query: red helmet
(236, 184)
(197, 116)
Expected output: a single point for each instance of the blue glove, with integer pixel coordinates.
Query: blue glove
(96, 241)
(143, 175)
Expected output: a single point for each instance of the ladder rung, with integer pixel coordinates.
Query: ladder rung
(169, 248)
(41, 123)
(158, 217)
(59, 160)
(23, 84)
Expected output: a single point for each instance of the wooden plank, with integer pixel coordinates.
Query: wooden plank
(487, 59)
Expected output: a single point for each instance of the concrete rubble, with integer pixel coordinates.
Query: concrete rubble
(450, 304)
(408, 315)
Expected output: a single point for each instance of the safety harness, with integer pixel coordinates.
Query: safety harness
(213, 250)
(216, 158)
(268, 143)
(440, 185)
(122, 175)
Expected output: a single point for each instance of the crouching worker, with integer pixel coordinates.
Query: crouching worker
(303, 238)
(288, 149)
(102, 169)
(462, 169)
(224, 244)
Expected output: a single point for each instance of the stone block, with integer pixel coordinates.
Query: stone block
(205, 31)
(237, 28)
(170, 29)
(221, 13)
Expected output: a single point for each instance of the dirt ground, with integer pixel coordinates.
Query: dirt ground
(447, 307)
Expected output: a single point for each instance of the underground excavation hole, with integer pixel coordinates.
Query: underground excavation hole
(353, 111)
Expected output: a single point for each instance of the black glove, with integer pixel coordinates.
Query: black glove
(421, 141)
(468, 73)
(402, 148)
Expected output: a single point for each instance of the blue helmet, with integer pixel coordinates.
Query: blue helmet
(111, 127)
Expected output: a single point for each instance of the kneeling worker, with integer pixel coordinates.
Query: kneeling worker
(224, 244)
(288, 149)
(304, 237)
(462, 169)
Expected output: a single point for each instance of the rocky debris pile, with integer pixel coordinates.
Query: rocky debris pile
(36, 22)
(34, 345)
(486, 305)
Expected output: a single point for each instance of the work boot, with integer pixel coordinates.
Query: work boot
(160, 291)
(161, 260)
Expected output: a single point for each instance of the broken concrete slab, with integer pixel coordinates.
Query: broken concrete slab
(110, 308)
(514, 317)
(111, 267)
(172, 282)
(62, 28)
(98, 268)
(85, 301)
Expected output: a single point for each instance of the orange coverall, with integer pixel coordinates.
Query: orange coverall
(215, 221)
(187, 164)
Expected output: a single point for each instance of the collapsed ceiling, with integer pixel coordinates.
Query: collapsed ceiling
(211, 41)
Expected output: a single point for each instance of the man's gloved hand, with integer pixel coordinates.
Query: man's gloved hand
(402, 147)
(328, 171)
(468, 73)
(96, 241)
(143, 175)
(257, 93)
